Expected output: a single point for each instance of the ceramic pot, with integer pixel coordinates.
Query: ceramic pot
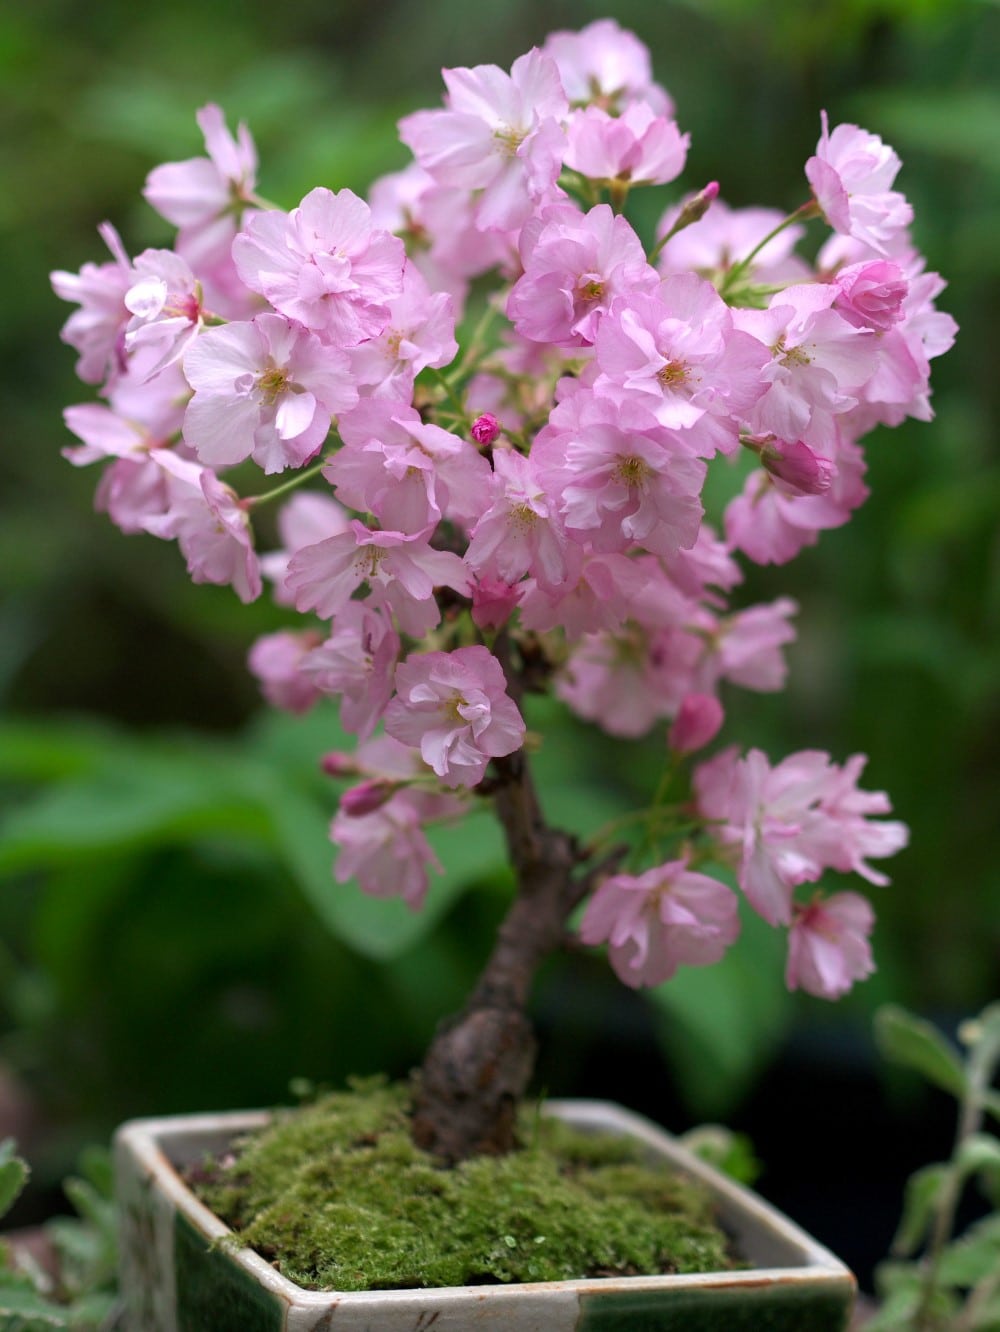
(175, 1277)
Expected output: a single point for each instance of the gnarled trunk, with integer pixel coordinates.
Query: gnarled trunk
(480, 1061)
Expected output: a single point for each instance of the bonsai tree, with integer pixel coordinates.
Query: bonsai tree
(482, 408)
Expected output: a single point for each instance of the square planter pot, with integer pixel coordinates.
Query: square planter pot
(176, 1277)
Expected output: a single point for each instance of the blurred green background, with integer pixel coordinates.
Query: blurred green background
(171, 938)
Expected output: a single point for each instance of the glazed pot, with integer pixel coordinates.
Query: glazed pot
(177, 1277)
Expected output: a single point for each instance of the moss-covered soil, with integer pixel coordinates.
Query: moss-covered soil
(336, 1196)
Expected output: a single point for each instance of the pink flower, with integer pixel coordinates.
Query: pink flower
(407, 472)
(791, 822)
(305, 518)
(637, 147)
(574, 266)
(385, 850)
(871, 295)
(655, 922)
(629, 680)
(454, 707)
(599, 593)
(500, 135)
(206, 197)
(818, 366)
(276, 660)
(620, 479)
(724, 235)
(851, 176)
(828, 948)
(520, 532)
(771, 523)
(325, 576)
(420, 332)
(358, 662)
(606, 65)
(324, 265)
(211, 526)
(97, 329)
(745, 647)
(678, 354)
(698, 721)
(267, 389)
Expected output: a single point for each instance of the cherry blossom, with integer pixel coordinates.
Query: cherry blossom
(454, 707)
(500, 134)
(324, 264)
(266, 389)
(851, 176)
(828, 945)
(661, 920)
(207, 197)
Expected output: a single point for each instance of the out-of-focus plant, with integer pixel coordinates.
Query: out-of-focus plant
(937, 1280)
(78, 1294)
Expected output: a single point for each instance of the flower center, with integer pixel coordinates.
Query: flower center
(631, 471)
(672, 374)
(509, 139)
(271, 384)
(591, 289)
(790, 355)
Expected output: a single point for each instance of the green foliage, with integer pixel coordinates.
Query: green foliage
(954, 1286)
(81, 1296)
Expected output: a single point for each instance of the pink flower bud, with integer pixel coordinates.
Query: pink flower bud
(365, 798)
(485, 429)
(871, 295)
(799, 470)
(697, 723)
(337, 763)
(698, 205)
(493, 602)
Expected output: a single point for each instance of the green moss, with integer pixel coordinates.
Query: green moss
(338, 1198)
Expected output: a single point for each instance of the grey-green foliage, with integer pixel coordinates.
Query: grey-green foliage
(82, 1297)
(937, 1281)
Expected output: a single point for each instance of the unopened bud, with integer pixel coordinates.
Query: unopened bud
(366, 797)
(485, 429)
(698, 720)
(796, 468)
(338, 763)
(493, 602)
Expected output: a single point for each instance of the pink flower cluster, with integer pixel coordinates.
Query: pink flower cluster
(540, 488)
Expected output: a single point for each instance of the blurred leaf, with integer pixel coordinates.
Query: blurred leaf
(974, 1256)
(730, 1152)
(910, 1041)
(979, 1152)
(923, 1190)
(13, 1175)
(963, 124)
(720, 1023)
(29, 1312)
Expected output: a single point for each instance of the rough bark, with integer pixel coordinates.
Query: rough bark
(480, 1061)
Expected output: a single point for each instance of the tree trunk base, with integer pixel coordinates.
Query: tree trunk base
(467, 1092)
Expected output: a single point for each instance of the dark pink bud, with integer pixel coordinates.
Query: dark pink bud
(337, 763)
(493, 602)
(796, 468)
(485, 429)
(698, 720)
(366, 797)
